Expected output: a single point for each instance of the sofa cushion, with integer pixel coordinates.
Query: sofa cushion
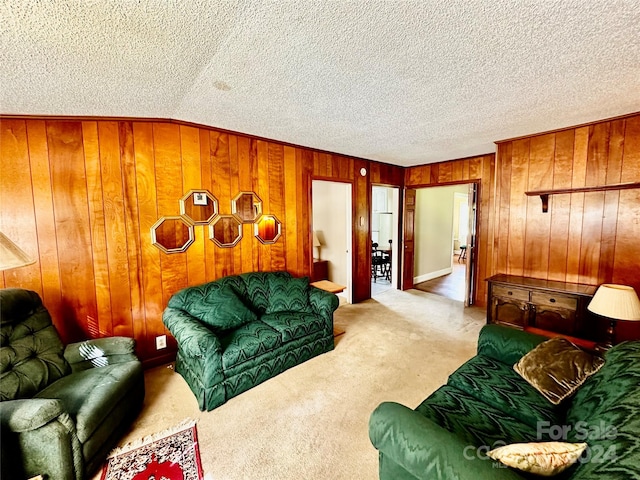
(248, 341)
(473, 420)
(222, 309)
(258, 288)
(288, 294)
(617, 383)
(292, 325)
(557, 368)
(605, 413)
(540, 458)
(500, 386)
(290, 353)
(31, 352)
(90, 395)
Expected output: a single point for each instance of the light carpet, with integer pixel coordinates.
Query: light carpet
(312, 420)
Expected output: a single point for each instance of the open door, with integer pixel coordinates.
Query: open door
(409, 241)
(407, 256)
(471, 245)
(385, 231)
(331, 222)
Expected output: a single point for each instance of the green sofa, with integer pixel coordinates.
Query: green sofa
(240, 330)
(486, 404)
(62, 409)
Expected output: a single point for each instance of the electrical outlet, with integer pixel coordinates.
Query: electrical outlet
(161, 342)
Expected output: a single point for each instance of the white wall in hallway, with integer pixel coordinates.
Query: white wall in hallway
(434, 231)
(331, 206)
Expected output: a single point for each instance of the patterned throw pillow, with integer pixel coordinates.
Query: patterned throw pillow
(225, 310)
(544, 458)
(557, 368)
(288, 294)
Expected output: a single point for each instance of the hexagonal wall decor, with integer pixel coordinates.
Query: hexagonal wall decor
(225, 231)
(246, 207)
(268, 229)
(199, 207)
(172, 234)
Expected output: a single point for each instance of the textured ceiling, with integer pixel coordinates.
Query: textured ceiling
(401, 82)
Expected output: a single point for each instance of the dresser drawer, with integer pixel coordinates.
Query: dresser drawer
(545, 305)
(554, 300)
(509, 292)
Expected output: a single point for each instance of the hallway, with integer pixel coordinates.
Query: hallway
(450, 286)
(379, 286)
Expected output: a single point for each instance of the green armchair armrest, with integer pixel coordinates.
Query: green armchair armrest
(194, 337)
(323, 303)
(427, 450)
(199, 358)
(41, 427)
(29, 414)
(100, 352)
(507, 345)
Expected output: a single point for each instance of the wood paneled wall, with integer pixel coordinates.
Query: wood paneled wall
(590, 238)
(80, 196)
(480, 170)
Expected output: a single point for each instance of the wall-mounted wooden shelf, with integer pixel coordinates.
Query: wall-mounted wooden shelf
(544, 194)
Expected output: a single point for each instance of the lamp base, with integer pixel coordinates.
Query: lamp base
(611, 333)
(610, 338)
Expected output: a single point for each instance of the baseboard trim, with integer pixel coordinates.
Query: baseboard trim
(432, 275)
(167, 357)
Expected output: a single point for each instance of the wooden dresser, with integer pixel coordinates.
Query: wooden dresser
(543, 306)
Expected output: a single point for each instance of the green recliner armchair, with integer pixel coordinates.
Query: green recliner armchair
(62, 409)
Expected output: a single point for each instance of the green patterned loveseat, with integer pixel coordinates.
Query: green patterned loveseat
(238, 331)
(485, 404)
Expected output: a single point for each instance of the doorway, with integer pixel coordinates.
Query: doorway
(331, 207)
(385, 203)
(444, 238)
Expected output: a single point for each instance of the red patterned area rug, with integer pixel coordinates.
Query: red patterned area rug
(169, 455)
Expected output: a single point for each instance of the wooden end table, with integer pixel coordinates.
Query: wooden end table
(328, 286)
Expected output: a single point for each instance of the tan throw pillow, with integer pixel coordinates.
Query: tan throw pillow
(544, 458)
(557, 368)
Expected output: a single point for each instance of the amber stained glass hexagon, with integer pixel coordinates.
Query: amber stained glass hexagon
(268, 229)
(172, 234)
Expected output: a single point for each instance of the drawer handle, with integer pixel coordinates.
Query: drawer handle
(509, 292)
(552, 300)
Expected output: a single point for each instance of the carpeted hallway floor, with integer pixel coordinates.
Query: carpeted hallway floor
(311, 421)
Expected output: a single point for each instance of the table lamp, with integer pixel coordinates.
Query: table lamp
(615, 302)
(316, 243)
(12, 256)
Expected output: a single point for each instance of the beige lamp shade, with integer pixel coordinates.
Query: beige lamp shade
(12, 256)
(316, 241)
(619, 302)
